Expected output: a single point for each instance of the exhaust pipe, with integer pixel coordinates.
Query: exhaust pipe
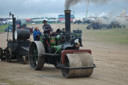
(14, 28)
(67, 24)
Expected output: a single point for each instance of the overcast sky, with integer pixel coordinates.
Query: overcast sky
(51, 8)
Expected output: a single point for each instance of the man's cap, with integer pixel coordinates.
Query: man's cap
(44, 21)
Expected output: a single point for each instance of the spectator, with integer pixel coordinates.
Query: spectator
(36, 34)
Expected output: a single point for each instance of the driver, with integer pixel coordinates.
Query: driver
(46, 27)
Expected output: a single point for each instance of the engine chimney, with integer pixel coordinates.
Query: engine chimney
(14, 28)
(67, 24)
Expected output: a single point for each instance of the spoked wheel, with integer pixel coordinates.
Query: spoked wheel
(77, 60)
(8, 55)
(24, 60)
(36, 51)
(1, 53)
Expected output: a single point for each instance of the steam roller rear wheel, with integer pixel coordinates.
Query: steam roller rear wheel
(78, 60)
(36, 51)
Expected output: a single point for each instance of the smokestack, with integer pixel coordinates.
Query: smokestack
(67, 24)
(14, 20)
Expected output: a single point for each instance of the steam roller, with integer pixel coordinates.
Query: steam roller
(62, 49)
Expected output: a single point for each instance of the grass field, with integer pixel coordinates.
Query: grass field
(115, 35)
(119, 36)
(3, 27)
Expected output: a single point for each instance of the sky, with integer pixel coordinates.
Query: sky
(52, 8)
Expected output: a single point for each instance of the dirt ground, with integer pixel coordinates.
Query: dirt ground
(111, 61)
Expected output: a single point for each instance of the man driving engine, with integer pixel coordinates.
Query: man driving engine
(46, 27)
(47, 30)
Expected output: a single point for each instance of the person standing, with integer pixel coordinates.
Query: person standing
(36, 34)
(47, 30)
(46, 27)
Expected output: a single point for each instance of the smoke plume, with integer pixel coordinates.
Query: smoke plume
(69, 3)
(108, 20)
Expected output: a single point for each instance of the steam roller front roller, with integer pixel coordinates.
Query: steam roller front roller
(36, 58)
(78, 65)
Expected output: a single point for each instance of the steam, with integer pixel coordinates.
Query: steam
(106, 19)
(122, 20)
(69, 3)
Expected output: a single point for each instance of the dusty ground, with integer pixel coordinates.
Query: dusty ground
(111, 60)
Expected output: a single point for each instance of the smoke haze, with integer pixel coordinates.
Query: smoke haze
(69, 3)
